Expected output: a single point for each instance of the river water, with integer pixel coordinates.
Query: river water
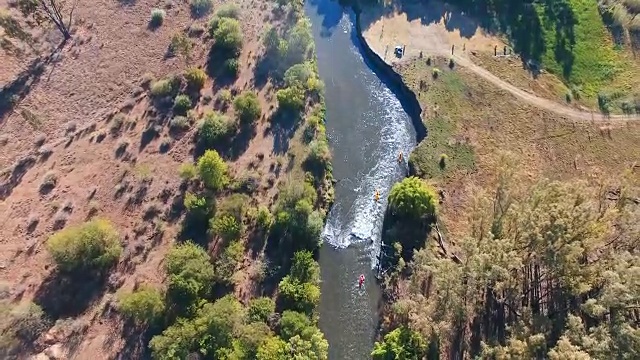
(367, 128)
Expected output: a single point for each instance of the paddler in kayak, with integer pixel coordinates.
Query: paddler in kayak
(400, 157)
(361, 280)
(376, 196)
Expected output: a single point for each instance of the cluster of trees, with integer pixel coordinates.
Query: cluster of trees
(547, 270)
(225, 29)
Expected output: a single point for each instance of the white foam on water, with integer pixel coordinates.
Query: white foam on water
(363, 222)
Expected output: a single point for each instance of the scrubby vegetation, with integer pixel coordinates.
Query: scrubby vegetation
(91, 247)
(213, 170)
(157, 17)
(247, 108)
(145, 305)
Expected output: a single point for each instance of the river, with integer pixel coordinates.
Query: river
(367, 127)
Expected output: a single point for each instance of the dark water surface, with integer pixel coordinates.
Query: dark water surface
(367, 128)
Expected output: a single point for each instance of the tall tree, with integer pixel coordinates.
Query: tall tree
(54, 11)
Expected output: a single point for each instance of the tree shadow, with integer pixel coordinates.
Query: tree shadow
(14, 176)
(15, 91)
(283, 127)
(62, 295)
(216, 69)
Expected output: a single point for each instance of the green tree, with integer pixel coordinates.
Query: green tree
(190, 274)
(305, 268)
(261, 309)
(213, 170)
(412, 198)
(145, 305)
(228, 261)
(247, 107)
(92, 246)
(298, 296)
(401, 343)
(273, 348)
(293, 323)
(298, 75)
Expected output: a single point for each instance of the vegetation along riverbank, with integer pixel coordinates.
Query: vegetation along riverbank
(514, 235)
(182, 222)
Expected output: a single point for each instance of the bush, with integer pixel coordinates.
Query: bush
(412, 198)
(179, 123)
(319, 153)
(181, 104)
(235, 205)
(200, 7)
(227, 35)
(261, 309)
(161, 88)
(214, 128)
(198, 207)
(188, 171)
(229, 10)
(247, 107)
(92, 246)
(232, 67)
(145, 305)
(264, 219)
(226, 226)
(195, 78)
(157, 17)
(227, 262)
(435, 73)
(225, 97)
(299, 75)
(180, 44)
(443, 161)
(401, 343)
(20, 324)
(213, 170)
(293, 323)
(291, 98)
(304, 268)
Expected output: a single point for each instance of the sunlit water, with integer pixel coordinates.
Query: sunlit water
(367, 129)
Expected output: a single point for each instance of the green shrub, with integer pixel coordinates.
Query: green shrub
(412, 198)
(319, 153)
(234, 205)
(225, 97)
(157, 17)
(228, 261)
(291, 98)
(20, 324)
(188, 171)
(443, 161)
(92, 246)
(200, 7)
(195, 78)
(401, 343)
(247, 107)
(145, 305)
(229, 10)
(227, 35)
(293, 323)
(161, 88)
(264, 219)
(179, 123)
(226, 226)
(181, 104)
(435, 73)
(232, 66)
(261, 309)
(304, 268)
(299, 75)
(214, 128)
(213, 170)
(181, 44)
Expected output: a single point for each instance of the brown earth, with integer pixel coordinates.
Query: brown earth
(93, 79)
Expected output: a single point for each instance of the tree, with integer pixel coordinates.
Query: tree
(145, 305)
(299, 75)
(412, 198)
(401, 343)
(190, 274)
(293, 323)
(50, 11)
(298, 296)
(195, 78)
(261, 309)
(247, 107)
(228, 261)
(92, 246)
(305, 268)
(273, 348)
(213, 170)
